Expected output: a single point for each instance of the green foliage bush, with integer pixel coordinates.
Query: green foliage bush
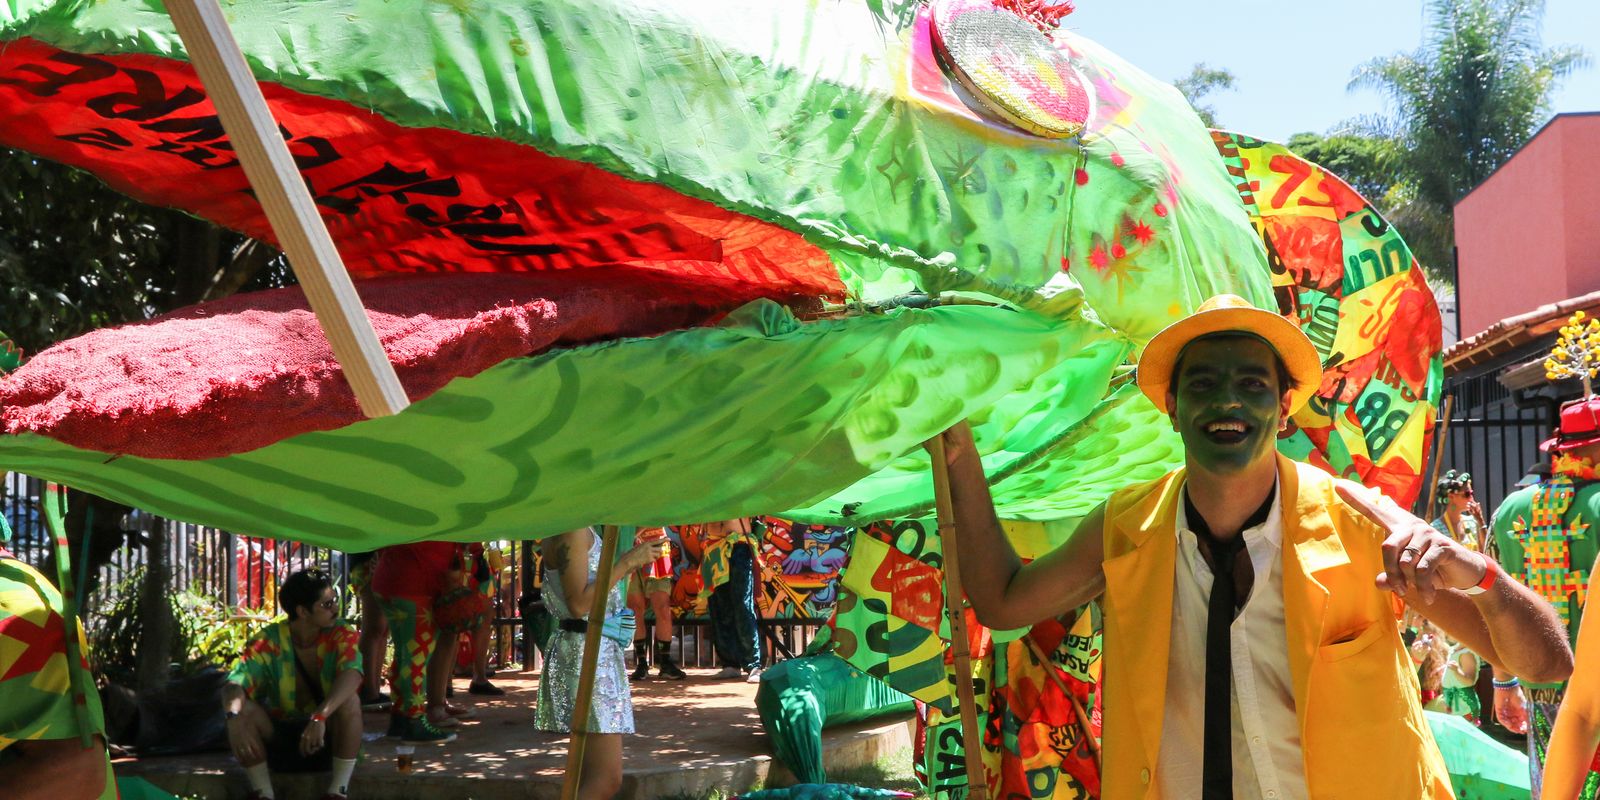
(209, 633)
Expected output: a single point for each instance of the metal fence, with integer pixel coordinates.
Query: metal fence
(1494, 434)
(243, 572)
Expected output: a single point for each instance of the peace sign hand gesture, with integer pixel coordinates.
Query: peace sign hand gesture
(1416, 556)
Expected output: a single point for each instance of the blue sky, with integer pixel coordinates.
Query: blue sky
(1293, 58)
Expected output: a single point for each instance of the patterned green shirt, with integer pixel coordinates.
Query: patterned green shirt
(266, 671)
(1551, 556)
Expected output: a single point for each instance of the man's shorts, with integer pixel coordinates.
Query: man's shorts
(645, 587)
(283, 748)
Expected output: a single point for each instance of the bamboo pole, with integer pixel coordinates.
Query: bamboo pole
(1438, 454)
(1077, 707)
(79, 683)
(288, 204)
(971, 736)
(591, 659)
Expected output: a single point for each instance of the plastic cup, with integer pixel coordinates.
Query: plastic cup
(402, 758)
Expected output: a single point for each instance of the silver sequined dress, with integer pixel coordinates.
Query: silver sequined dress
(612, 708)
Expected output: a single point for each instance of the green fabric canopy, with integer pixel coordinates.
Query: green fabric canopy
(828, 119)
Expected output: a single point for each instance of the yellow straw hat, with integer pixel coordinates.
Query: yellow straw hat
(1230, 313)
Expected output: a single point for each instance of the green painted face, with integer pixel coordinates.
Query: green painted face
(1226, 403)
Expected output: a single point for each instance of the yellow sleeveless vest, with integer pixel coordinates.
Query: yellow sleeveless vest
(1355, 691)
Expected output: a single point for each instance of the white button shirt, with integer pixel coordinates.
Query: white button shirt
(1267, 761)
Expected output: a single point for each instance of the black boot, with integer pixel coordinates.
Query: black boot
(664, 666)
(641, 661)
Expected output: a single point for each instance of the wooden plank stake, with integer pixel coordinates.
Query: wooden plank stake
(1077, 707)
(288, 205)
(1438, 454)
(971, 736)
(591, 659)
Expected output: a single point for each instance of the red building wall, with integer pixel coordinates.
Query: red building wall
(1530, 234)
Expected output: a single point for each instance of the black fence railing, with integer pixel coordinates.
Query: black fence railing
(243, 572)
(1494, 434)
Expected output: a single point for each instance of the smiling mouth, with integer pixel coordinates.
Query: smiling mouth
(1226, 431)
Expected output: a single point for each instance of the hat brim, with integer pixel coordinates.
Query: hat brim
(1554, 444)
(1283, 336)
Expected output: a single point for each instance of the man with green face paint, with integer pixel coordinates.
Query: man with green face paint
(1287, 678)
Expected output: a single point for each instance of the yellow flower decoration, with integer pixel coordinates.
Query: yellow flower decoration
(1576, 353)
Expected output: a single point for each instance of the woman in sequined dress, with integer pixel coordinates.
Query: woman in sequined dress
(571, 560)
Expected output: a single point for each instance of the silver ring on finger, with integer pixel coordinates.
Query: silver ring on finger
(1414, 551)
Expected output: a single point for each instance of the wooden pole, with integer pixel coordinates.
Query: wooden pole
(288, 205)
(1438, 454)
(591, 659)
(1077, 707)
(971, 736)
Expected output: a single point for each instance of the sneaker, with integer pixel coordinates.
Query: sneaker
(485, 688)
(640, 672)
(729, 673)
(421, 731)
(754, 676)
(667, 669)
(459, 712)
(441, 719)
(376, 702)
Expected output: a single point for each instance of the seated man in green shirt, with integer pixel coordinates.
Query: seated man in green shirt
(42, 752)
(296, 679)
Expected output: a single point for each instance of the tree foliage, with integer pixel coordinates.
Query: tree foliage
(76, 255)
(1201, 81)
(1463, 103)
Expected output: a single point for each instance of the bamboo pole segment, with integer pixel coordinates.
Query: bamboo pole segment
(288, 204)
(591, 660)
(1438, 454)
(1077, 707)
(971, 736)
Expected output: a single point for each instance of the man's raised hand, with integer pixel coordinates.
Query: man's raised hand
(1416, 556)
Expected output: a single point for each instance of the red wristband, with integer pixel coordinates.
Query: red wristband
(319, 717)
(1491, 573)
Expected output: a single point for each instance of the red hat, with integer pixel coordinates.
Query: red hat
(1579, 425)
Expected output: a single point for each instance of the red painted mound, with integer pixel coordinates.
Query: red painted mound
(250, 370)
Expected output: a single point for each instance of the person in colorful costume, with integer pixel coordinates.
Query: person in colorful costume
(653, 584)
(292, 699)
(485, 576)
(374, 630)
(1287, 696)
(1461, 518)
(43, 755)
(1460, 682)
(571, 563)
(1547, 536)
(408, 581)
(727, 571)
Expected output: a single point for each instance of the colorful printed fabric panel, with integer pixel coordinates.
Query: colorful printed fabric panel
(1342, 273)
(268, 676)
(891, 624)
(797, 567)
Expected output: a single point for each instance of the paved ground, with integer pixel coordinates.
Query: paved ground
(695, 736)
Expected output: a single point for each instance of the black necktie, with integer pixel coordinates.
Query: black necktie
(1218, 760)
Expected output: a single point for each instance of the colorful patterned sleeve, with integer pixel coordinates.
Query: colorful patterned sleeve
(346, 653)
(253, 669)
(35, 695)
